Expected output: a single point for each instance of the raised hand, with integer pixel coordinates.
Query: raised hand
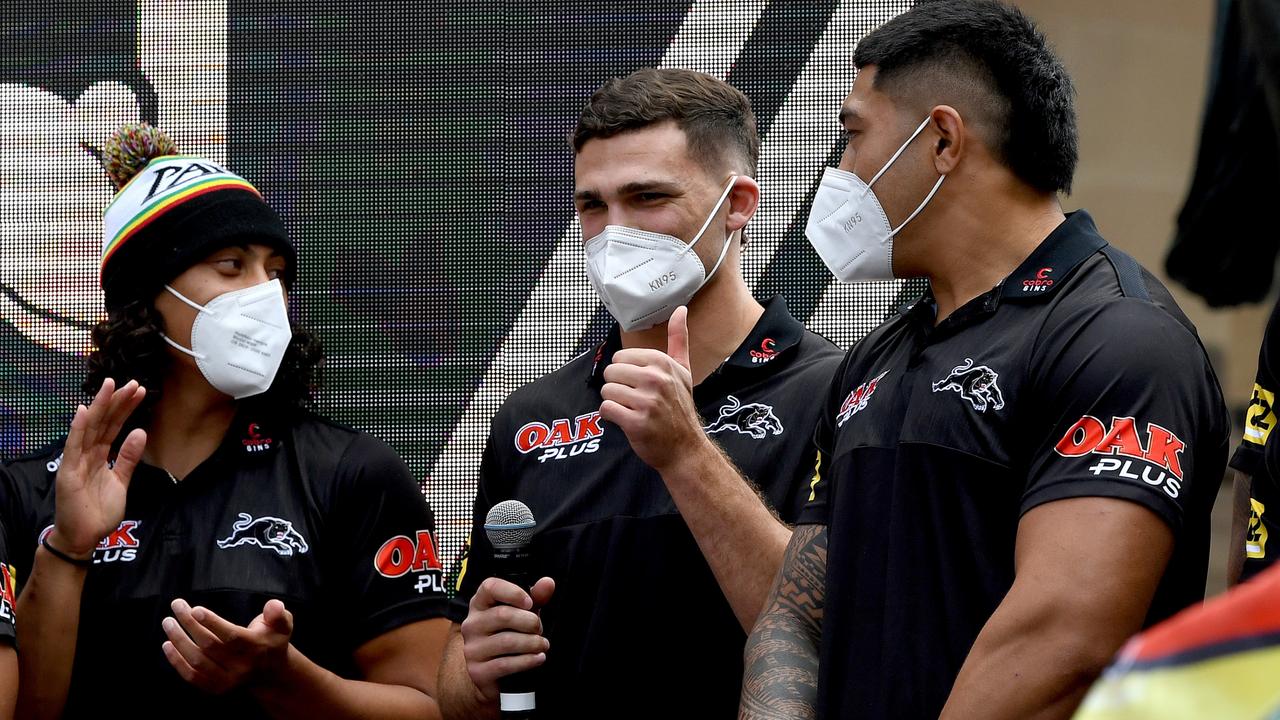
(90, 489)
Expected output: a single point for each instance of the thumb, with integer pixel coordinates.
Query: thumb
(678, 336)
(541, 591)
(277, 617)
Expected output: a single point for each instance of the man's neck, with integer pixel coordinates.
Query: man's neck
(721, 316)
(981, 246)
(187, 424)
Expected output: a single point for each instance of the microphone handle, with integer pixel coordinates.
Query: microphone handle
(516, 692)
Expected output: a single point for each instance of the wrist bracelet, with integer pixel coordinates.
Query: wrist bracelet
(44, 541)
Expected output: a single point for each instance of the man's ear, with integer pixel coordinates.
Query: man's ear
(948, 133)
(743, 201)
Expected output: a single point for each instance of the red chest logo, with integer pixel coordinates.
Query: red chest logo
(857, 400)
(562, 438)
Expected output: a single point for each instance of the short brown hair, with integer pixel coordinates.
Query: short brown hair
(715, 116)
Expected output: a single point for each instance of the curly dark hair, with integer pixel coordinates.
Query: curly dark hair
(128, 346)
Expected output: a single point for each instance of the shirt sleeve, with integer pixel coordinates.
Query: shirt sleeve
(387, 552)
(1122, 398)
(1260, 415)
(11, 502)
(816, 511)
(8, 592)
(477, 558)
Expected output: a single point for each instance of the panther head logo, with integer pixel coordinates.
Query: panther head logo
(265, 532)
(975, 383)
(754, 419)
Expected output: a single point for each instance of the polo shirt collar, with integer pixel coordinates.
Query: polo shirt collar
(1039, 276)
(775, 334)
(1075, 240)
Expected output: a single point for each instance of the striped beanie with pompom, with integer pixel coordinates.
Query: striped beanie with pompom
(170, 212)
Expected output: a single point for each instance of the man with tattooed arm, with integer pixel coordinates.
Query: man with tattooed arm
(1016, 470)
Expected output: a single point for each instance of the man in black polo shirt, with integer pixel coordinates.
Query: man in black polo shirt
(1257, 497)
(1016, 472)
(660, 551)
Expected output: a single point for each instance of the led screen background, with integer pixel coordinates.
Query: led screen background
(418, 155)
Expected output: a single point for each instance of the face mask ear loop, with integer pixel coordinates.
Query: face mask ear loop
(175, 293)
(719, 203)
(898, 154)
(921, 207)
(192, 353)
(198, 308)
(723, 251)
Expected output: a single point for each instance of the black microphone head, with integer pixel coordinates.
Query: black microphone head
(509, 524)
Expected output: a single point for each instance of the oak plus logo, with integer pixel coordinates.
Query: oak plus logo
(8, 592)
(402, 555)
(561, 438)
(857, 400)
(121, 545)
(1156, 460)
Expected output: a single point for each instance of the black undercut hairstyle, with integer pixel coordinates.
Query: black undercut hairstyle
(989, 61)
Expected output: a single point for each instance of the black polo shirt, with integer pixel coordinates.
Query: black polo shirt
(324, 518)
(1259, 458)
(638, 625)
(1077, 376)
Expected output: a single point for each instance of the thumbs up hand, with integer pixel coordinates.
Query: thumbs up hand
(649, 394)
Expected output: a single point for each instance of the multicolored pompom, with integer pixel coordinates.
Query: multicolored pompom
(131, 147)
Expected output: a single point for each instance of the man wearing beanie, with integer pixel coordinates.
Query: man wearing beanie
(201, 543)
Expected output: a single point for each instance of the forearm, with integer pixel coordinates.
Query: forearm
(48, 621)
(1037, 666)
(780, 675)
(1242, 486)
(460, 699)
(740, 537)
(305, 691)
(8, 681)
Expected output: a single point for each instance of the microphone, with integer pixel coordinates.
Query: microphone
(509, 527)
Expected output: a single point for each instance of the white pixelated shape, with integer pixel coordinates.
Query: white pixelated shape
(53, 189)
(52, 192)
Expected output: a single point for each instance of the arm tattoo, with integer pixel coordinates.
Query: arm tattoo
(781, 656)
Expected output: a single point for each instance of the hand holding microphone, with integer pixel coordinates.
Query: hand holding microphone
(502, 634)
